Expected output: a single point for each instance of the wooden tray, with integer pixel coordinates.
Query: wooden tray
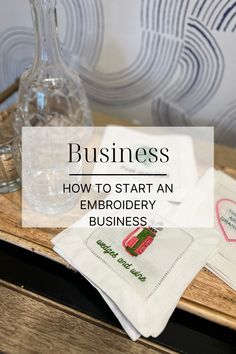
(207, 296)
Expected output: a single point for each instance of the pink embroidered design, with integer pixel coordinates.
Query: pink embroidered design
(222, 228)
(138, 240)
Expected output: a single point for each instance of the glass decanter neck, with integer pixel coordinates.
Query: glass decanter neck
(46, 32)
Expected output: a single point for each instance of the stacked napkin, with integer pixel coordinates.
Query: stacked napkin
(223, 264)
(141, 273)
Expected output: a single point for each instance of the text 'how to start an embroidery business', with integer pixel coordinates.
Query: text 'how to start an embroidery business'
(109, 176)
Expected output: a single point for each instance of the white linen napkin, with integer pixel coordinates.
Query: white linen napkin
(180, 143)
(142, 273)
(127, 326)
(196, 205)
(223, 264)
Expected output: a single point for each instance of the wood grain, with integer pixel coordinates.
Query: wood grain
(32, 324)
(207, 296)
(9, 91)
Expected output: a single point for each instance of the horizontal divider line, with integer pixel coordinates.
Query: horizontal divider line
(118, 174)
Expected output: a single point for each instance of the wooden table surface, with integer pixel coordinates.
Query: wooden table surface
(207, 296)
(31, 323)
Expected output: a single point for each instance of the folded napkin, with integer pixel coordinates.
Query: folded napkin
(141, 273)
(223, 264)
(196, 206)
(127, 326)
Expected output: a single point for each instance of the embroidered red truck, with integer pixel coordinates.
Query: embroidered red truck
(138, 240)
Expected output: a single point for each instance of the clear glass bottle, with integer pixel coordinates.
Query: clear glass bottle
(50, 93)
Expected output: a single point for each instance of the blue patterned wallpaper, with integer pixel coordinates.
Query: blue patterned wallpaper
(162, 62)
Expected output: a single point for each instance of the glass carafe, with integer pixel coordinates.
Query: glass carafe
(50, 93)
